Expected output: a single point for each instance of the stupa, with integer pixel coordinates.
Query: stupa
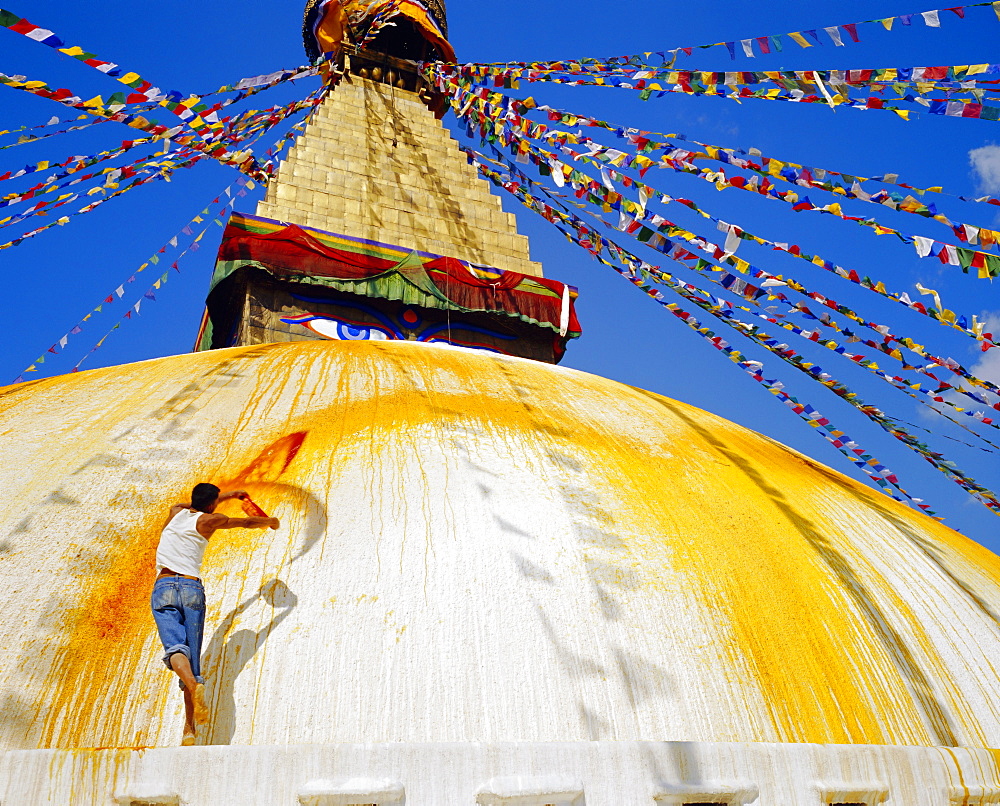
(498, 580)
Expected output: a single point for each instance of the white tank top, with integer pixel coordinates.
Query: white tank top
(181, 548)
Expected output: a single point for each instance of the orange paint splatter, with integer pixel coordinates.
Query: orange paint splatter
(106, 635)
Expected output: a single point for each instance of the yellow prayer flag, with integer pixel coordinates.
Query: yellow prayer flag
(740, 265)
(799, 39)
(976, 69)
(887, 23)
(128, 78)
(72, 51)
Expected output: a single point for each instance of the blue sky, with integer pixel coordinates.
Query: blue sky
(54, 280)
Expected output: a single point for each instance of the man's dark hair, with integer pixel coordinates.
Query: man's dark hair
(203, 496)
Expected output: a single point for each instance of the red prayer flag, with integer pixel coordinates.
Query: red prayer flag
(251, 509)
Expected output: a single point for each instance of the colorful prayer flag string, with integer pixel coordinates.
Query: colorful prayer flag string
(638, 272)
(893, 428)
(507, 128)
(766, 45)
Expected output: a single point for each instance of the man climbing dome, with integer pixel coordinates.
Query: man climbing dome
(178, 600)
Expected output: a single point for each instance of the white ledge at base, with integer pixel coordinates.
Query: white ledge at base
(728, 792)
(147, 794)
(599, 773)
(519, 790)
(352, 792)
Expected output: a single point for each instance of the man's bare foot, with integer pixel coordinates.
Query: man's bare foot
(200, 708)
(188, 739)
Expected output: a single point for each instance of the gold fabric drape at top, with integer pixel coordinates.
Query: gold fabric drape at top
(327, 21)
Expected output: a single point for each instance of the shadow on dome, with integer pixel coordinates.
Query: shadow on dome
(938, 721)
(227, 655)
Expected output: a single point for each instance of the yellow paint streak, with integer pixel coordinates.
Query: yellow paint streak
(105, 635)
(796, 613)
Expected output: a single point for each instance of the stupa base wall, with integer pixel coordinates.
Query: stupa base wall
(598, 773)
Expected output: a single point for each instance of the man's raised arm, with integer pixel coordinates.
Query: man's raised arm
(217, 521)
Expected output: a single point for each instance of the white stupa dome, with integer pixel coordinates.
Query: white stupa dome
(474, 549)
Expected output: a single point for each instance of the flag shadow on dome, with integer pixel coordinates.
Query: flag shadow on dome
(936, 717)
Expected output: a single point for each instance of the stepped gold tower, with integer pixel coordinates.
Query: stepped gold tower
(497, 581)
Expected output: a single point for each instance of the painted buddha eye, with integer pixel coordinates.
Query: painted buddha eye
(340, 331)
(359, 333)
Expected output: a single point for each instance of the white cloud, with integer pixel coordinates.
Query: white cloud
(985, 161)
(988, 367)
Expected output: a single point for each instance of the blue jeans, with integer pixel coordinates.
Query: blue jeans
(178, 606)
